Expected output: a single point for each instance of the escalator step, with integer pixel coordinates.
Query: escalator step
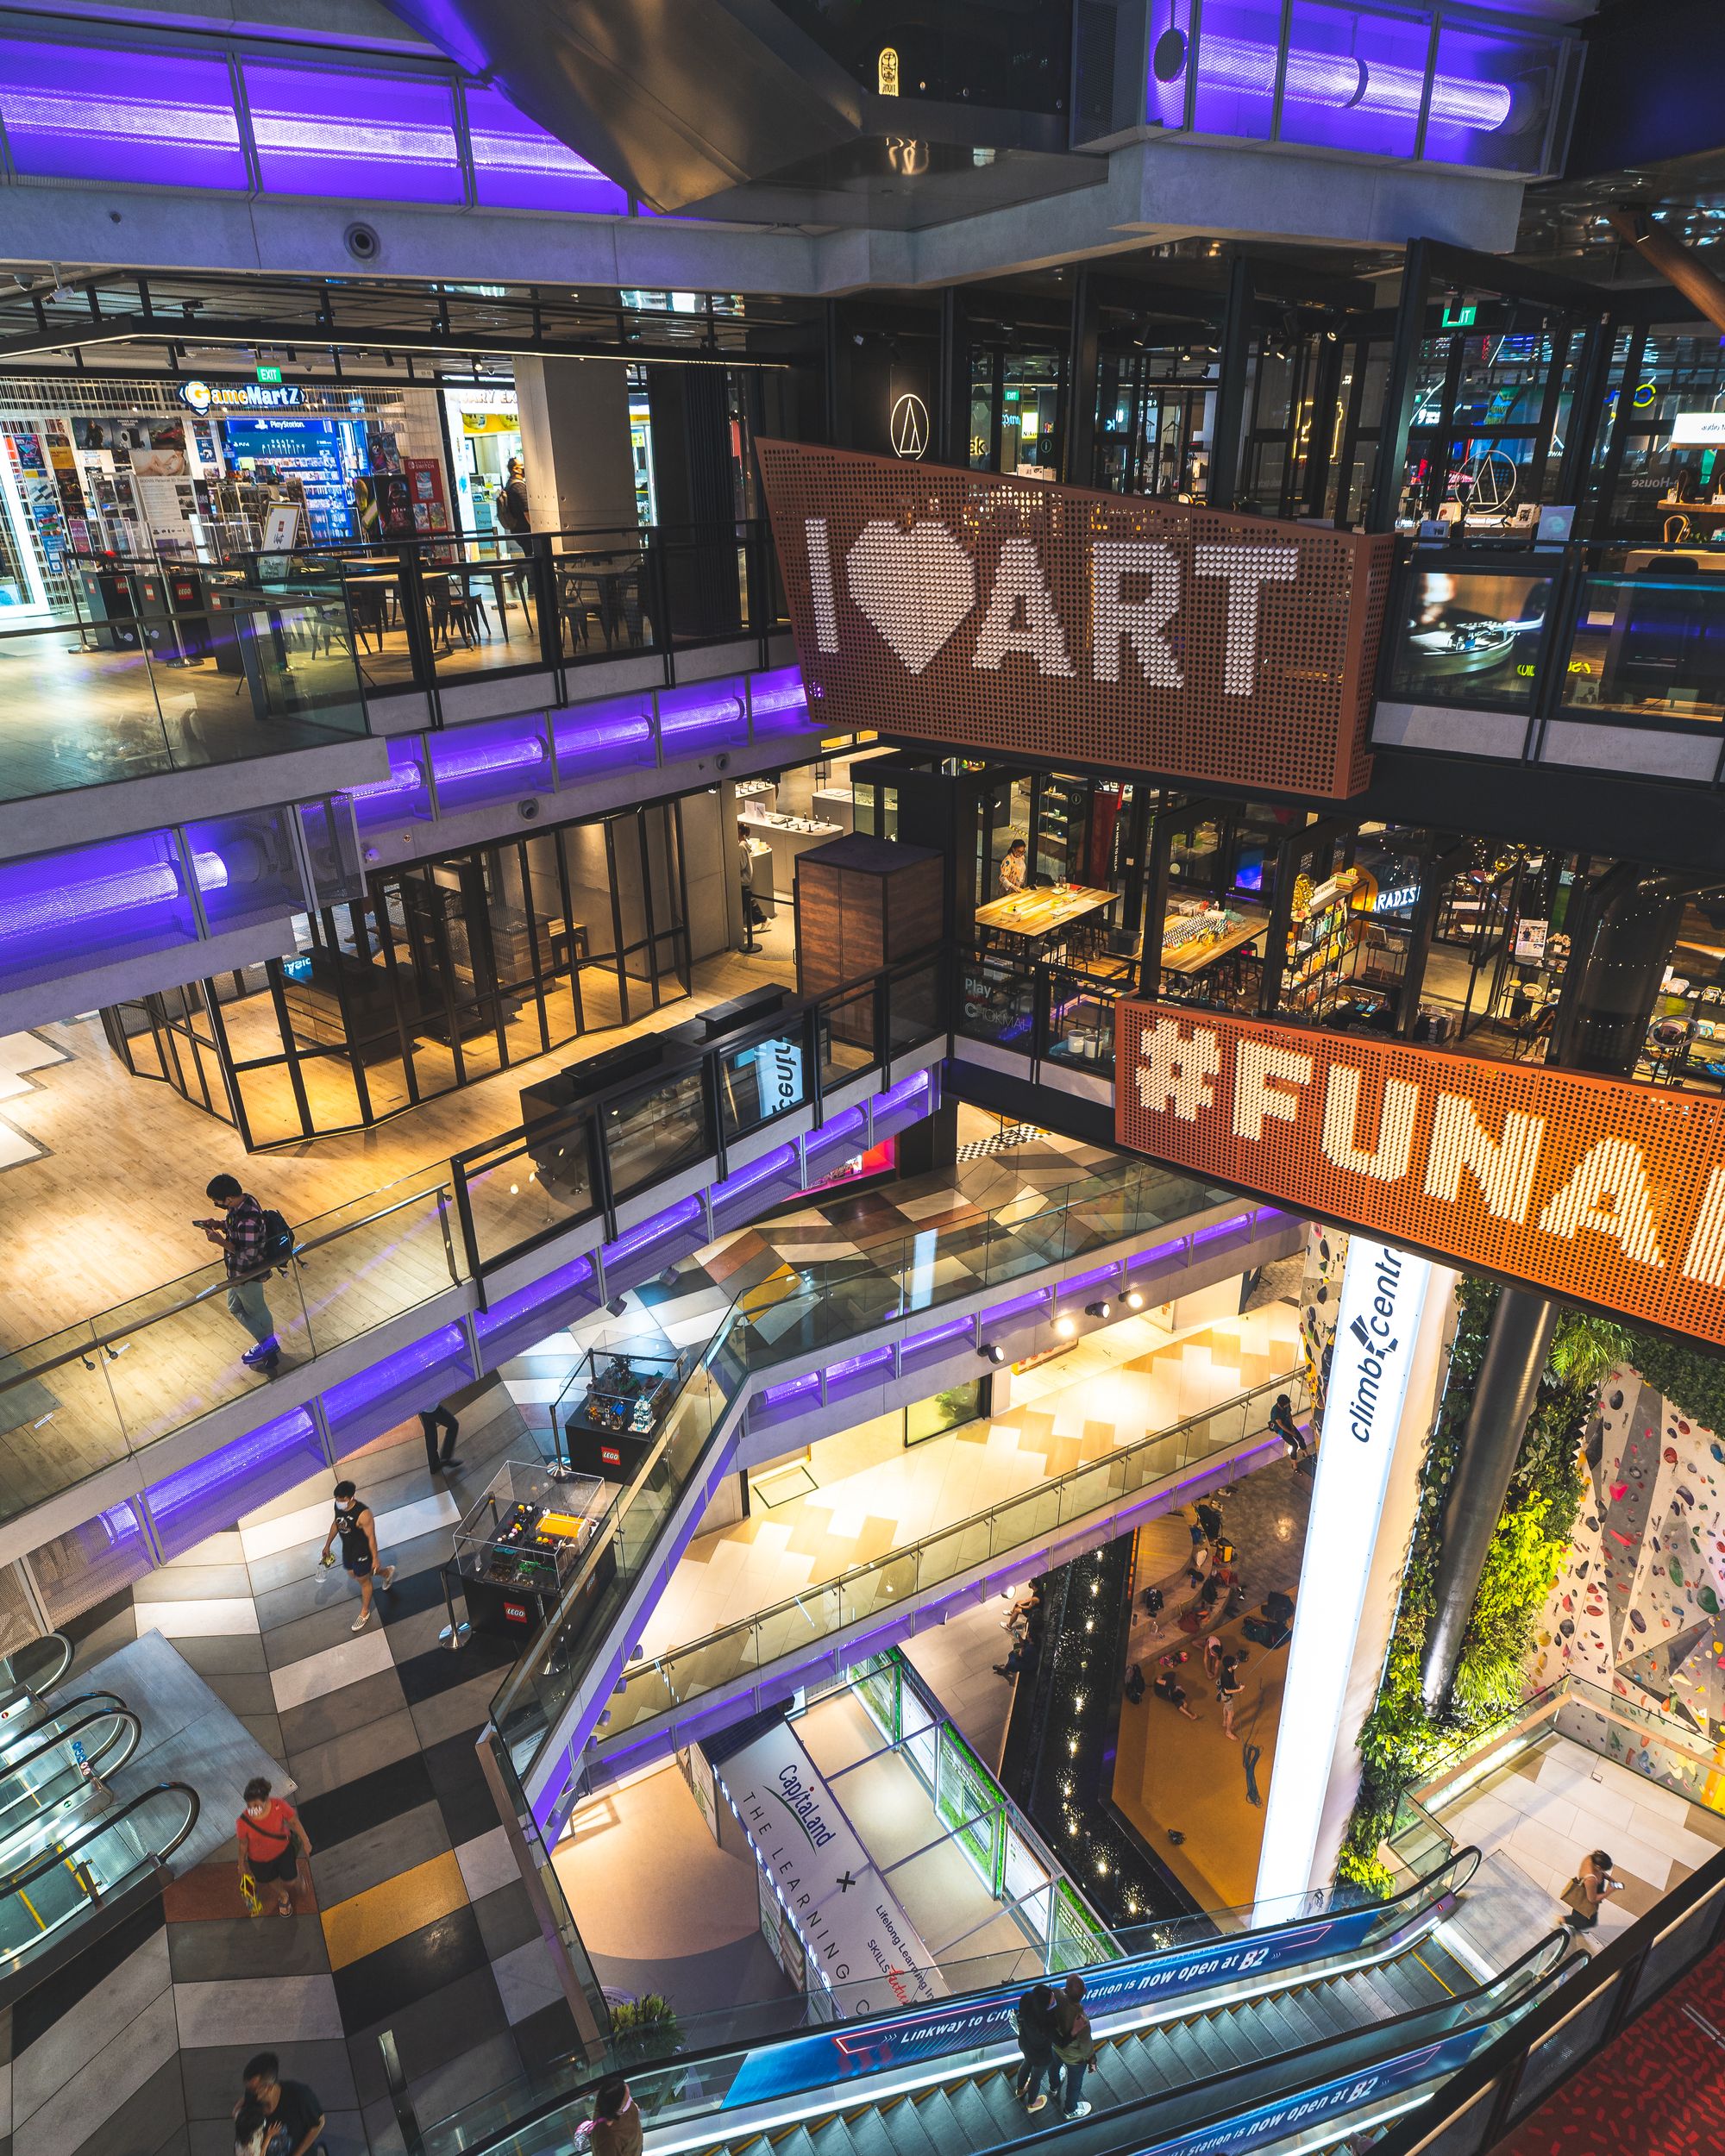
(1311, 2018)
(1250, 2028)
(1280, 2030)
(832, 2137)
(1149, 2060)
(1121, 2071)
(935, 2116)
(976, 2120)
(870, 2134)
(795, 2143)
(1221, 2044)
(1003, 2107)
(905, 2132)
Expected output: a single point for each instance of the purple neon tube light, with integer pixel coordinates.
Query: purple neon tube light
(455, 766)
(1094, 1278)
(743, 1180)
(67, 905)
(954, 1329)
(653, 1230)
(856, 1365)
(1341, 81)
(368, 1386)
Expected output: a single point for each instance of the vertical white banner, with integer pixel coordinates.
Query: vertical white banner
(1381, 1332)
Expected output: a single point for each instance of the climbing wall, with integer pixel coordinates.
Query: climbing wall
(1640, 1609)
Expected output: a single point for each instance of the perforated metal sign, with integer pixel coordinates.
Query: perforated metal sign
(1594, 1188)
(1102, 629)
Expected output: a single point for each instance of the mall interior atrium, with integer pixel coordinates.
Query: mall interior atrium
(862, 1078)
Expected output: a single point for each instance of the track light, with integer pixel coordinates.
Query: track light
(992, 1351)
(1065, 1326)
(1099, 1309)
(1134, 1298)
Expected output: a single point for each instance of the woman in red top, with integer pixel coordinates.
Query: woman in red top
(268, 1828)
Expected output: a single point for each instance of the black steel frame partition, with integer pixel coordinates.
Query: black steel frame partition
(679, 588)
(907, 1007)
(1473, 2111)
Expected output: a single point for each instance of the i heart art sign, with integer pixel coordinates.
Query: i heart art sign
(1595, 1188)
(1104, 630)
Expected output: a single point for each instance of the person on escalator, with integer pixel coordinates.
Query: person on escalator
(616, 2129)
(1035, 2023)
(1073, 2047)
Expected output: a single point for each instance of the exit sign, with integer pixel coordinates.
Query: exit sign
(1460, 318)
(274, 373)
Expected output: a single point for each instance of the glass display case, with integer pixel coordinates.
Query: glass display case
(610, 1410)
(519, 1548)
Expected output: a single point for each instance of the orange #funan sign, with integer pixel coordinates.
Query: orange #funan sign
(1594, 1188)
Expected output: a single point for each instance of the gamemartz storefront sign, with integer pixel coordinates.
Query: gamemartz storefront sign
(1595, 1188)
(220, 397)
(1013, 614)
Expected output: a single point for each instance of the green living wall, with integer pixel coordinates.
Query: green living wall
(1400, 1737)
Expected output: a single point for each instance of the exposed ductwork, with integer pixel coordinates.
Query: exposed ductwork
(675, 99)
(1679, 266)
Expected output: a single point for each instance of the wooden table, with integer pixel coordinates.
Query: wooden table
(1034, 914)
(1185, 959)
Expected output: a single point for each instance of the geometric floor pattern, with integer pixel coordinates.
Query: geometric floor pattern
(413, 1919)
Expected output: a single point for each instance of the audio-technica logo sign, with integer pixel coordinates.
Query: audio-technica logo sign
(909, 426)
(219, 397)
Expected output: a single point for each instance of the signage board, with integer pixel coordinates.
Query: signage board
(1595, 1188)
(1013, 615)
(1384, 1298)
(853, 1931)
(1697, 427)
(787, 2065)
(260, 395)
(1530, 941)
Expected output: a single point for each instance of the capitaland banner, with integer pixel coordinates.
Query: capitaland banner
(1013, 614)
(1590, 1187)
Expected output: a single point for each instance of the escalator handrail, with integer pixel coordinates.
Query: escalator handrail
(120, 1714)
(91, 1828)
(24, 1688)
(1463, 1863)
(109, 1700)
(1554, 1948)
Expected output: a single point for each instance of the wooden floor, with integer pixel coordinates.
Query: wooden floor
(105, 1213)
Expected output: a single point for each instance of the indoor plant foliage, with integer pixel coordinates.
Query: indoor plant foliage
(1400, 1737)
(644, 2029)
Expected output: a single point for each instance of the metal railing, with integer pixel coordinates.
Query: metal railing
(669, 1682)
(114, 1384)
(1589, 2008)
(1163, 1963)
(430, 614)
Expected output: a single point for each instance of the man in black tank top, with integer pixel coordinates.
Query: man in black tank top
(356, 1524)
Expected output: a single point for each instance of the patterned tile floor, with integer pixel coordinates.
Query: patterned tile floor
(413, 1917)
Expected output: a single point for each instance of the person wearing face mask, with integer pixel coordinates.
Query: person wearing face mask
(356, 1524)
(271, 1842)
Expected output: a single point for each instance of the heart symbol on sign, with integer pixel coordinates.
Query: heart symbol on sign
(915, 586)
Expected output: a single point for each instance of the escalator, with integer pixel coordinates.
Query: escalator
(1327, 2015)
(103, 1863)
(38, 1720)
(31, 1670)
(48, 1787)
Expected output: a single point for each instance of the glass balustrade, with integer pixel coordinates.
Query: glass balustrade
(232, 673)
(674, 1680)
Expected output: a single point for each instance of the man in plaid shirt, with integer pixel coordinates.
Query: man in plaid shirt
(240, 1236)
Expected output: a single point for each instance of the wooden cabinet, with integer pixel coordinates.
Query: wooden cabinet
(864, 903)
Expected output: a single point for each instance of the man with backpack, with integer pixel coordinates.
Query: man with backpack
(253, 1242)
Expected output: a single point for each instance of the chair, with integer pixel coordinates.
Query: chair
(451, 605)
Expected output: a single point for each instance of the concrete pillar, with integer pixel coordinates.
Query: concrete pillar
(574, 442)
(1392, 1334)
(1503, 1399)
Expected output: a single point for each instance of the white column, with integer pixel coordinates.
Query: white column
(1391, 1340)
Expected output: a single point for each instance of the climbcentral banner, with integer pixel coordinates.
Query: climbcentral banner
(1010, 614)
(1594, 1188)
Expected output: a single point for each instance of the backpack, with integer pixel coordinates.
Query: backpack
(277, 1239)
